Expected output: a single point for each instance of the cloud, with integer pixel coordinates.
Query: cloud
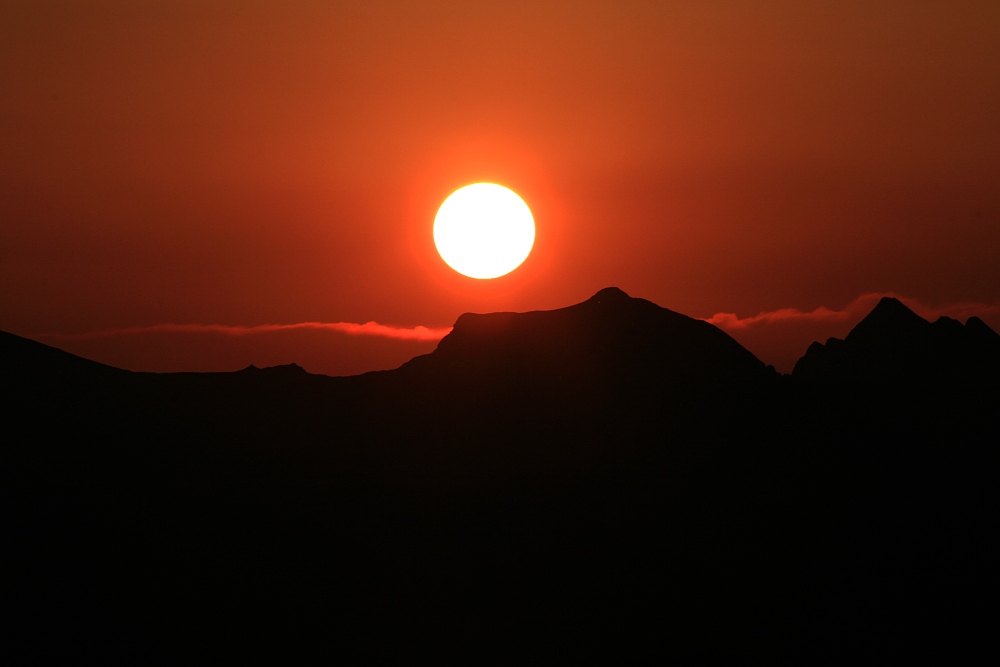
(419, 333)
(853, 311)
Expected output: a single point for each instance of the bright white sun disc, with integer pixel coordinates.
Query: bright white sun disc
(484, 230)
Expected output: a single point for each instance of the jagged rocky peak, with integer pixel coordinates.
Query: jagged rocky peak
(890, 310)
(890, 319)
(892, 343)
(885, 332)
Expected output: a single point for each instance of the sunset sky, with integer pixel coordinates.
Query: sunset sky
(176, 175)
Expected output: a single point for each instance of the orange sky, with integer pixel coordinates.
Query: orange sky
(251, 163)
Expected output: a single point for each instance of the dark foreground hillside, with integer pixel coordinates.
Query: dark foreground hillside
(606, 480)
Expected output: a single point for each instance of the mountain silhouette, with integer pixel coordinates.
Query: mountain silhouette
(894, 346)
(611, 335)
(609, 480)
(24, 358)
(500, 381)
(889, 323)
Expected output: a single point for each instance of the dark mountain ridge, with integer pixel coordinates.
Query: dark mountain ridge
(609, 479)
(610, 333)
(894, 345)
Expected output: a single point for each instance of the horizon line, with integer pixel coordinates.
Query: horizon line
(857, 308)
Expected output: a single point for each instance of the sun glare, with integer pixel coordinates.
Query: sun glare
(484, 230)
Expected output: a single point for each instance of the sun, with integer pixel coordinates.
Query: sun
(484, 230)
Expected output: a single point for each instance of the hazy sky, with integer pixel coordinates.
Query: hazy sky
(247, 163)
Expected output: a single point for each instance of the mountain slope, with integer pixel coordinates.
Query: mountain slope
(23, 359)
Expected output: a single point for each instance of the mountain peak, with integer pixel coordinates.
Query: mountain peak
(610, 295)
(891, 307)
(611, 339)
(889, 320)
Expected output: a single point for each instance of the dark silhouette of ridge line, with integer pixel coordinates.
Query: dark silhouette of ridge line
(895, 346)
(23, 356)
(624, 336)
(609, 340)
(889, 321)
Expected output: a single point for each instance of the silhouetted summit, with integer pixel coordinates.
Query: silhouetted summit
(893, 345)
(611, 339)
(890, 323)
(610, 295)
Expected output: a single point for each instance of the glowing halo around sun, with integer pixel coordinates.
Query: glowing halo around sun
(484, 230)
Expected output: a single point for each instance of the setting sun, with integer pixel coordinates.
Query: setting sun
(484, 230)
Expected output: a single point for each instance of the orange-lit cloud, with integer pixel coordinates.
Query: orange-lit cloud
(853, 311)
(421, 333)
